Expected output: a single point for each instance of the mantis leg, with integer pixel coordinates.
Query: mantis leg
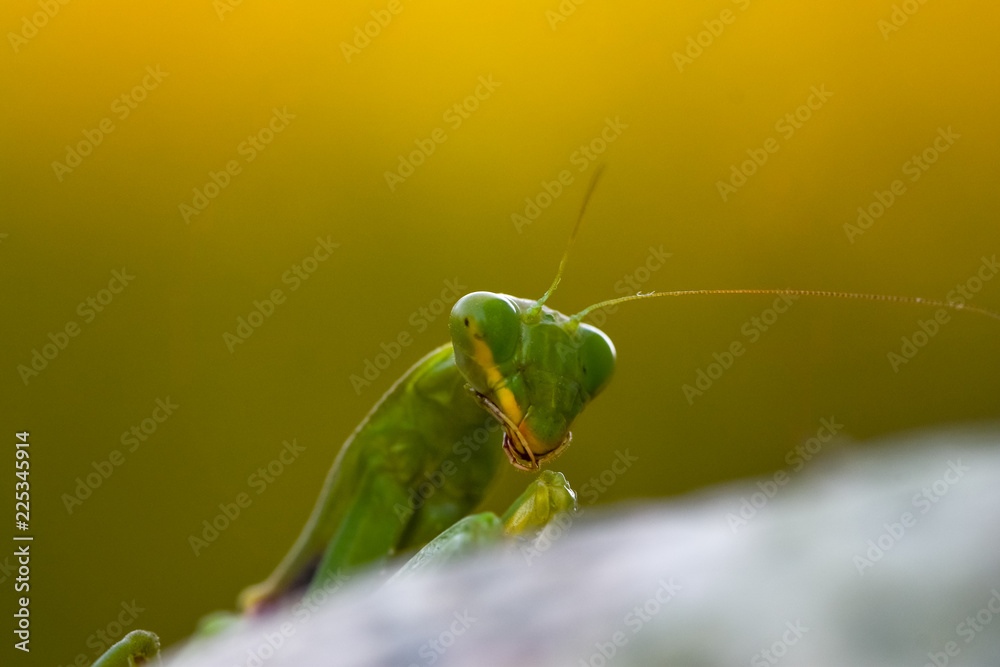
(468, 535)
(372, 516)
(135, 648)
(354, 523)
(368, 532)
(419, 462)
(546, 497)
(549, 495)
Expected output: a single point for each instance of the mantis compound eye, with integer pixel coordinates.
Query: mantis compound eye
(596, 359)
(485, 331)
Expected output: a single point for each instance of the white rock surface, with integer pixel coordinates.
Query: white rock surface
(787, 582)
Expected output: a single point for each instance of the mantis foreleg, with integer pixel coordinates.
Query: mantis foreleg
(136, 648)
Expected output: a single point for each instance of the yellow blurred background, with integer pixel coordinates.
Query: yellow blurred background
(308, 114)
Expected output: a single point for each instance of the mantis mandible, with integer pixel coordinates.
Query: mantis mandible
(517, 361)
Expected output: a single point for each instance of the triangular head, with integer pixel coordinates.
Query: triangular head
(532, 367)
(535, 369)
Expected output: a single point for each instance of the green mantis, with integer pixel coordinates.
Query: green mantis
(533, 369)
(516, 361)
(510, 384)
(545, 498)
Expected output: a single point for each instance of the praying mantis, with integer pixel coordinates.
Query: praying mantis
(509, 384)
(529, 367)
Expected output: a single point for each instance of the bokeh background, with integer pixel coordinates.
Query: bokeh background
(224, 68)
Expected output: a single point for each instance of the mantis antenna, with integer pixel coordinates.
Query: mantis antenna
(537, 308)
(792, 292)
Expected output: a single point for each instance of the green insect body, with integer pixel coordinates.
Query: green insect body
(520, 361)
(407, 438)
(136, 648)
(546, 497)
(512, 363)
(530, 367)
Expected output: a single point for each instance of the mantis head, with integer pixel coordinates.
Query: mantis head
(536, 369)
(533, 368)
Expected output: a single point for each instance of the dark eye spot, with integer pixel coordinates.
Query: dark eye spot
(466, 321)
(584, 370)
